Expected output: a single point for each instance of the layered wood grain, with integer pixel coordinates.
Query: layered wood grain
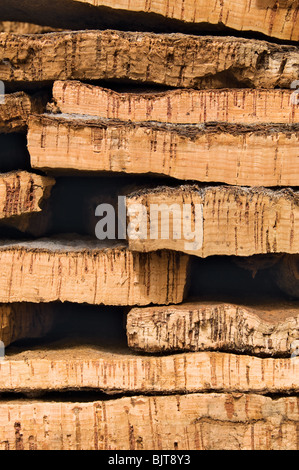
(74, 367)
(243, 106)
(218, 220)
(174, 60)
(22, 193)
(265, 329)
(188, 422)
(86, 270)
(232, 154)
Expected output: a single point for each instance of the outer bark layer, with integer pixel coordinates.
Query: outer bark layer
(196, 421)
(174, 60)
(18, 321)
(264, 16)
(178, 106)
(85, 367)
(264, 329)
(256, 156)
(88, 271)
(22, 193)
(225, 220)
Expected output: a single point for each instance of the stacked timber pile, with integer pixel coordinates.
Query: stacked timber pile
(176, 328)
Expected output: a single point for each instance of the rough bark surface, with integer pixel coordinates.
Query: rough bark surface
(279, 20)
(245, 106)
(18, 321)
(189, 422)
(222, 220)
(268, 329)
(76, 367)
(175, 60)
(22, 193)
(233, 154)
(79, 270)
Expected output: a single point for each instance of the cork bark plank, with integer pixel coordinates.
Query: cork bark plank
(22, 321)
(22, 193)
(263, 16)
(189, 422)
(223, 220)
(173, 60)
(86, 270)
(262, 329)
(16, 108)
(73, 367)
(239, 106)
(235, 154)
